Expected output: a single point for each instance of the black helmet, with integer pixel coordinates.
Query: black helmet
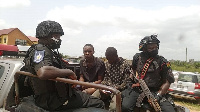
(46, 27)
(148, 40)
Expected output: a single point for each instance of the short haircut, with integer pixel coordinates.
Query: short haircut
(111, 51)
(89, 45)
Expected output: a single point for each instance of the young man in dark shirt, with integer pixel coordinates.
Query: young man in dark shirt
(92, 69)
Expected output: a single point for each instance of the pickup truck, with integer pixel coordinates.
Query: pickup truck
(11, 67)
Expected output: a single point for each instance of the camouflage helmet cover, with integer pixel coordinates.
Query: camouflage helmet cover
(46, 27)
(148, 40)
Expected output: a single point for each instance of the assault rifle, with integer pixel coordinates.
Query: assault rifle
(146, 92)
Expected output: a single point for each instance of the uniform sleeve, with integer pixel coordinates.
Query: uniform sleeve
(45, 58)
(135, 61)
(166, 71)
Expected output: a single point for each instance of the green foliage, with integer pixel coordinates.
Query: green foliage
(186, 66)
(197, 65)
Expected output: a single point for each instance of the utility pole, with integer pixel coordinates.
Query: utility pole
(186, 54)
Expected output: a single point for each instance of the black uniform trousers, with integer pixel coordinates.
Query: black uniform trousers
(129, 99)
(82, 100)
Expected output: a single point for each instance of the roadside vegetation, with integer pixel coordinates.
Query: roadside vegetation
(186, 66)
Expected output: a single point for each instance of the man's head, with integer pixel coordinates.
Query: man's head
(88, 51)
(49, 32)
(150, 45)
(111, 55)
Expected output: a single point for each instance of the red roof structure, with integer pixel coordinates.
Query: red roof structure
(33, 39)
(6, 31)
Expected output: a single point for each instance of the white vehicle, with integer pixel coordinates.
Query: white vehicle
(187, 85)
(8, 68)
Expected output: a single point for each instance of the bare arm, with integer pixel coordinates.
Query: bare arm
(164, 88)
(100, 78)
(51, 72)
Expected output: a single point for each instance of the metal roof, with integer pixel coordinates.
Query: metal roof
(6, 31)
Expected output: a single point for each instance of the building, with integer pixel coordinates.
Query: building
(33, 39)
(14, 36)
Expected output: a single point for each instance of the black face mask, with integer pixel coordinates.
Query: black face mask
(153, 53)
(56, 44)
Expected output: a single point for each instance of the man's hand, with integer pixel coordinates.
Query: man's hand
(106, 92)
(73, 76)
(135, 85)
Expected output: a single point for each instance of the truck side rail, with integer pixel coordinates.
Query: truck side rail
(75, 82)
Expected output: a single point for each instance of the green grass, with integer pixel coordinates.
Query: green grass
(183, 68)
(190, 104)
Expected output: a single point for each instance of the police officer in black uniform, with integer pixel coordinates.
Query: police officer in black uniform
(44, 61)
(158, 76)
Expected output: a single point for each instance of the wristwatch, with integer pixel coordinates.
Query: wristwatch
(159, 95)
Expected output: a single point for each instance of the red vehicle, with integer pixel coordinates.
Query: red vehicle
(10, 50)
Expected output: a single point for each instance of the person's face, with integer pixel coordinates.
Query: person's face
(112, 59)
(151, 47)
(88, 52)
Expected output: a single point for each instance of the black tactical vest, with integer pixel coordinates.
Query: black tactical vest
(152, 77)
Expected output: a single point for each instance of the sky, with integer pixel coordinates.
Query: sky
(112, 23)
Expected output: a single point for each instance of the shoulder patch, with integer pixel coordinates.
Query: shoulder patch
(164, 61)
(38, 56)
(168, 64)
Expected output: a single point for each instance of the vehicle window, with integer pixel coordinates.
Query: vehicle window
(198, 78)
(2, 68)
(185, 77)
